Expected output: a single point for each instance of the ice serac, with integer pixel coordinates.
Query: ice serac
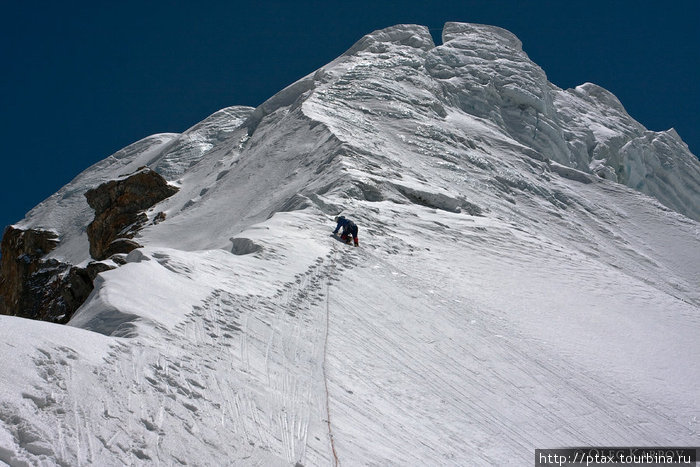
(411, 35)
(484, 72)
(606, 141)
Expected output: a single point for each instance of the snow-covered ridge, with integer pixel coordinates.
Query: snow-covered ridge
(501, 270)
(391, 96)
(170, 154)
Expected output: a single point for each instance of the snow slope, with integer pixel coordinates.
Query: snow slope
(504, 298)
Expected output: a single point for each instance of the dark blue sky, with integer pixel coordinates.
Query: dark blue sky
(80, 81)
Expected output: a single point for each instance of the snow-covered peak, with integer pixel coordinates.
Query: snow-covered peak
(504, 265)
(481, 35)
(374, 114)
(394, 95)
(410, 35)
(600, 96)
(196, 141)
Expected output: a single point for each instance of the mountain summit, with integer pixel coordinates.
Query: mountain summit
(526, 278)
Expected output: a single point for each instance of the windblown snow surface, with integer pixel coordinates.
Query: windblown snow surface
(503, 298)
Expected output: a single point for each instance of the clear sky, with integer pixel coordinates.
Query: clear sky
(81, 80)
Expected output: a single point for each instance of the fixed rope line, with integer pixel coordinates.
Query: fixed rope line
(325, 348)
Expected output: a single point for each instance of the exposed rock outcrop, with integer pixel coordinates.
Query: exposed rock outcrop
(119, 206)
(244, 246)
(21, 253)
(38, 288)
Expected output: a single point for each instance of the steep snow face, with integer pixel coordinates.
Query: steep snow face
(67, 211)
(389, 106)
(198, 140)
(482, 338)
(452, 104)
(503, 297)
(485, 73)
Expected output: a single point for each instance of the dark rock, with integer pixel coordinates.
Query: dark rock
(37, 288)
(119, 206)
(160, 217)
(244, 246)
(95, 267)
(119, 259)
(21, 253)
(121, 246)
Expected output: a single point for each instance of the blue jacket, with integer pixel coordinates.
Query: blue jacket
(344, 223)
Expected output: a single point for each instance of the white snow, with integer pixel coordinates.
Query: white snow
(492, 308)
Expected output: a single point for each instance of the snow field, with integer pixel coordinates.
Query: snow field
(509, 343)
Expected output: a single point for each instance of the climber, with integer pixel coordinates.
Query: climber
(349, 229)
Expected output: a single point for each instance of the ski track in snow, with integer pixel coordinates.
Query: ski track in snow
(248, 365)
(274, 343)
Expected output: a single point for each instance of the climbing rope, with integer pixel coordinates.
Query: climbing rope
(325, 347)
